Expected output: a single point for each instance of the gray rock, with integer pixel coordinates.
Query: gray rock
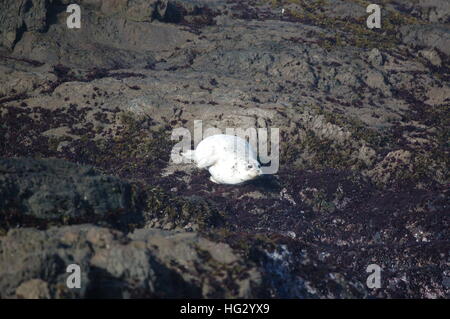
(149, 263)
(434, 11)
(17, 17)
(429, 36)
(33, 289)
(136, 10)
(432, 56)
(375, 57)
(52, 190)
(364, 156)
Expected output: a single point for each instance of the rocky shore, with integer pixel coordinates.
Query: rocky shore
(86, 117)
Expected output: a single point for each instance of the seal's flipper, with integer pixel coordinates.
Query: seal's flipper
(205, 162)
(213, 180)
(205, 158)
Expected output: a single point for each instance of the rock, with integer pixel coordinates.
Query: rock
(375, 57)
(344, 9)
(434, 11)
(149, 263)
(429, 36)
(391, 166)
(432, 56)
(28, 195)
(375, 80)
(194, 257)
(136, 10)
(363, 162)
(33, 289)
(17, 17)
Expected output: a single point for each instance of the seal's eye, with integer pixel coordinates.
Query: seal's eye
(250, 166)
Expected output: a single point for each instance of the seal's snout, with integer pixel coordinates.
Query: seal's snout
(259, 169)
(256, 171)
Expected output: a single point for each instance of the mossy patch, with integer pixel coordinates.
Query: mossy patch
(164, 210)
(342, 31)
(133, 152)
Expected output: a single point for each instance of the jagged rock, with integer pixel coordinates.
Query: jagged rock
(432, 56)
(363, 122)
(395, 163)
(429, 36)
(148, 263)
(434, 11)
(17, 17)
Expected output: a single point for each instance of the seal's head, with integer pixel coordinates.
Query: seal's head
(248, 169)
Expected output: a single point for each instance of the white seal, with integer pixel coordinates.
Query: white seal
(229, 159)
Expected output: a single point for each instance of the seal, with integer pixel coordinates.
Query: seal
(229, 159)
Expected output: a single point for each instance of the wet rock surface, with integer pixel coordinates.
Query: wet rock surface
(86, 117)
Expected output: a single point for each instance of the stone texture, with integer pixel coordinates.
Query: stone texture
(55, 190)
(149, 263)
(363, 119)
(33, 289)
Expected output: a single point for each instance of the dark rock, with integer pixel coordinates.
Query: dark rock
(42, 192)
(363, 119)
(16, 17)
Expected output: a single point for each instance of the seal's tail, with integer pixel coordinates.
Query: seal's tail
(189, 154)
